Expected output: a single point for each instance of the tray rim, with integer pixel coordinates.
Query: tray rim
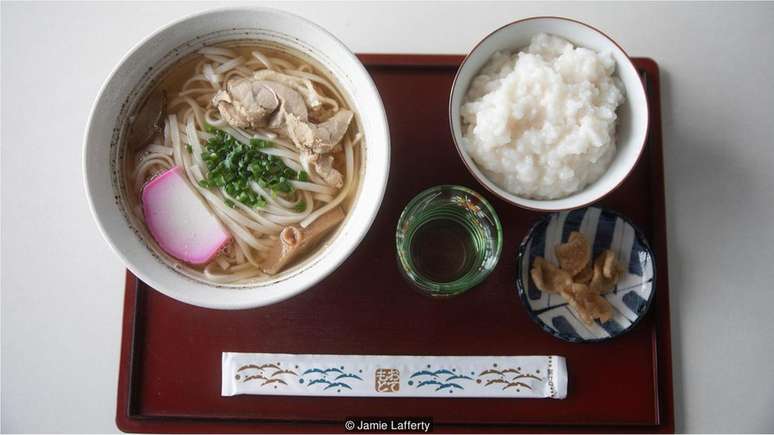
(128, 420)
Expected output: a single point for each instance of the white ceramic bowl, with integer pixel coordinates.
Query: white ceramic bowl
(129, 81)
(631, 128)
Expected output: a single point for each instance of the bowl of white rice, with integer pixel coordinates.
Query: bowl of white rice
(548, 113)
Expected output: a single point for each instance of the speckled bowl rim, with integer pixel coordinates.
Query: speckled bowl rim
(522, 292)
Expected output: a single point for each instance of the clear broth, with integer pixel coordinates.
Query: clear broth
(172, 81)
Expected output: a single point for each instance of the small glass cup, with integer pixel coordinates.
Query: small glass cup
(448, 240)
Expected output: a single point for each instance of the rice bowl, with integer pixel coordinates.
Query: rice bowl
(541, 122)
(631, 123)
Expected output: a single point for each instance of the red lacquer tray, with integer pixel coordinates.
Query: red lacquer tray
(169, 379)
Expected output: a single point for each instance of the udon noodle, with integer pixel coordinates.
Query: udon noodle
(192, 120)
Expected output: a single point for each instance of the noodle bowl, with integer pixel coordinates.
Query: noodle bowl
(118, 166)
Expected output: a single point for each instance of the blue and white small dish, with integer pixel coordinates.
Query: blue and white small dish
(604, 229)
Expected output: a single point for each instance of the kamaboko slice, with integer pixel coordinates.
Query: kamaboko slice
(179, 220)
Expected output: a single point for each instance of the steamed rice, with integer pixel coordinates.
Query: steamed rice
(541, 123)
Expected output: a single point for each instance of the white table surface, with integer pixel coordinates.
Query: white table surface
(62, 286)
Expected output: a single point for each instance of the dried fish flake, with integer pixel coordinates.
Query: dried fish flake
(575, 254)
(548, 277)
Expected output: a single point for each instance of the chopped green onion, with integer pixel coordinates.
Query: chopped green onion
(232, 165)
(301, 206)
(259, 143)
